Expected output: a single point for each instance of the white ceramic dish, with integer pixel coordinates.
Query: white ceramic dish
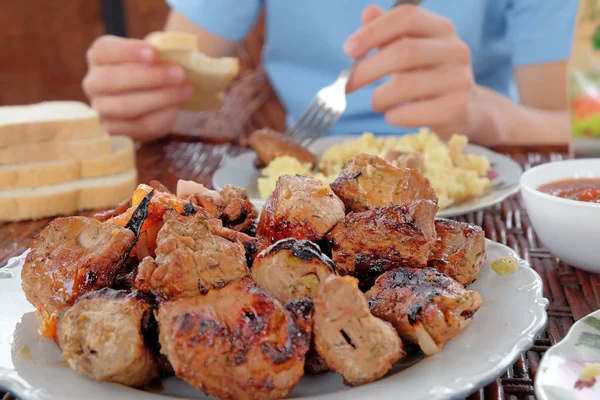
(512, 314)
(569, 229)
(240, 171)
(560, 368)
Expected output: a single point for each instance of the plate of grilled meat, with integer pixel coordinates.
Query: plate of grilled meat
(318, 295)
(465, 177)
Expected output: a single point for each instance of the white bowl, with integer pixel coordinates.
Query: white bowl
(570, 229)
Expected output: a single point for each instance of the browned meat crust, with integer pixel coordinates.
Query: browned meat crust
(236, 342)
(300, 207)
(354, 343)
(425, 306)
(270, 144)
(370, 243)
(103, 336)
(190, 260)
(368, 181)
(69, 258)
(402, 159)
(238, 213)
(459, 250)
(291, 269)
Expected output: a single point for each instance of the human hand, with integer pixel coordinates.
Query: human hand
(430, 67)
(133, 94)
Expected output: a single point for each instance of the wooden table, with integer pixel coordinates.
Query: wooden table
(572, 293)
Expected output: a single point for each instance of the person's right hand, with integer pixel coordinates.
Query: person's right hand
(133, 93)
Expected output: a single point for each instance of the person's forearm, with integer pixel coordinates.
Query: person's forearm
(208, 43)
(496, 120)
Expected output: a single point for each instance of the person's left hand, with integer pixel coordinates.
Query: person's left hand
(431, 80)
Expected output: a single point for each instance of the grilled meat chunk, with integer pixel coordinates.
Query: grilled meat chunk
(106, 335)
(426, 307)
(402, 159)
(459, 250)
(291, 269)
(238, 213)
(236, 342)
(300, 207)
(368, 181)
(270, 144)
(370, 243)
(190, 259)
(354, 343)
(69, 258)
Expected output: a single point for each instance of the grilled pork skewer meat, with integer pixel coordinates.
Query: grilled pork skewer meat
(232, 205)
(190, 259)
(73, 256)
(368, 181)
(300, 207)
(107, 336)
(370, 243)
(426, 307)
(270, 144)
(459, 250)
(291, 269)
(236, 342)
(354, 343)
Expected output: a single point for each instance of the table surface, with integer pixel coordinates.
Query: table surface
(572, 293)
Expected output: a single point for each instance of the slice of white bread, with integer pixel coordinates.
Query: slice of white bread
(120, 159)
(66, 198)
(209, 76)
(55, 150)
(47, 121)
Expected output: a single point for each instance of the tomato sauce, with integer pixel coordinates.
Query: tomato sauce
(585, 189)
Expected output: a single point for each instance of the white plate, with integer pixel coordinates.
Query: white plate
(512, 314)
(561, 365)
(240, 171)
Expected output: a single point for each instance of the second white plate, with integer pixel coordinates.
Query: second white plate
(240, 171)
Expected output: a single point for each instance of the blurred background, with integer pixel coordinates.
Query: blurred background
(45, 42)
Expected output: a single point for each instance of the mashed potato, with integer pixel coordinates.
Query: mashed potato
(455, 176)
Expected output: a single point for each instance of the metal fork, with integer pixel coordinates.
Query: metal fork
(328, 105)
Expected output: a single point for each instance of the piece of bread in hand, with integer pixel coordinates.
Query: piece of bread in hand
(55, 150)
(66, 198)
(209, 76)
(119, 160)
(47, 121)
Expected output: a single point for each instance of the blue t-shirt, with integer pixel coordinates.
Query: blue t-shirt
(304, 39)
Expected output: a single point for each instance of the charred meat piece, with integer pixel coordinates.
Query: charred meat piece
(106, 335)
(370, 243)
(459, 250)
(368, 181)
(253, 245)
(238, 213)
(299, 207)
(426, 307)
(354, 343)
(190, 260)
(291, 269)
(270, 144)
(236, 342)
(69, 258)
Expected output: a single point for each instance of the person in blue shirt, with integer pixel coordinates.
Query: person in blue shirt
(494, 70)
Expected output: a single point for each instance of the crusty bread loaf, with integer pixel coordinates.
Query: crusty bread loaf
(209, 76)
(66, 198)
(120, 159)
(47, 121)
(55, 150)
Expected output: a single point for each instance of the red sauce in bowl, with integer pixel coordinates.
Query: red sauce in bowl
(584, 189)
